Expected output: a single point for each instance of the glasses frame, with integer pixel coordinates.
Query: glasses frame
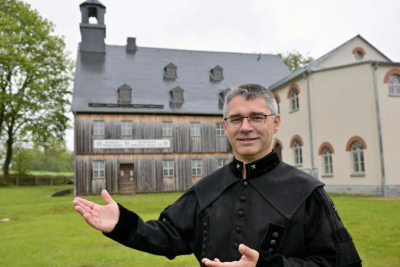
(248, 120)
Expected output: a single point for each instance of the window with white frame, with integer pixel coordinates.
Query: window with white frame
(168, 168)
(220, 129)
(126, 128)
(327, 156)
(277, 104)
(394, 85)
(358, 158)
(195, 129)
(197, 167)
(294, 99)
(167, 128)
(221, 162)
(98, 128)
(99, 169)
(298, 155)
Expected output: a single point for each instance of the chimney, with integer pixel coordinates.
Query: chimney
(131, 44)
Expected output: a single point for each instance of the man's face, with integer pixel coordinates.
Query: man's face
(250, 143)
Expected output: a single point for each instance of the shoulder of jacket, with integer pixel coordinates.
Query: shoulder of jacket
(286, 188)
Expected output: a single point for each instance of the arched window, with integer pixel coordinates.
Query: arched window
(327, 156)
(358, 158)
(394, 85)
(277, 104)
(298, 155)
(294, 99)
(278, 150)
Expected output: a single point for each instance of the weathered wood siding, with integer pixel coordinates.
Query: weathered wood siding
(148, 171)
(150, 127)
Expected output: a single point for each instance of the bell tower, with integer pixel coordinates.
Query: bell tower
(93, 33)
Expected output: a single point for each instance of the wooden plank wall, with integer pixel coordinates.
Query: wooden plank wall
(148, 171)
(150, 127)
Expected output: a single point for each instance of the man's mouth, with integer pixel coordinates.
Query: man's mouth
(247, 139)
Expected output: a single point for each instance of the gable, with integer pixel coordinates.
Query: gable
(346, 55)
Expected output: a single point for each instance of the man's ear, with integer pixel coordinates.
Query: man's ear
(225, 127)
(277, 122)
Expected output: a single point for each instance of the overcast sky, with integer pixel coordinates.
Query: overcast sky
(311, 27)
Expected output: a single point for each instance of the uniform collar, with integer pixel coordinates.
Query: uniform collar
(256, 168)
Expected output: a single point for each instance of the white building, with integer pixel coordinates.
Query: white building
(341, 119)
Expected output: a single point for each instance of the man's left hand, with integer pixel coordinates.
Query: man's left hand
(249, 259)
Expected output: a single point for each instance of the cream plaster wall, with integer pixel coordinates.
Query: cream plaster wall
(390, 118)
(345, 55)
(293, 123)
(343, 106)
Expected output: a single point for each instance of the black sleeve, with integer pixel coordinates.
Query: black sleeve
(327, 241)
(168, 236)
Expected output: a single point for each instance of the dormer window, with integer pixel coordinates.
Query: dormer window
(216, 74)
(170, 72)
(125, 94)
(177, 95)
(221, 98)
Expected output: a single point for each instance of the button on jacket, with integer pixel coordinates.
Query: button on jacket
(278, 210)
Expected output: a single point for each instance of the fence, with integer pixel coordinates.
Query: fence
(34, 180)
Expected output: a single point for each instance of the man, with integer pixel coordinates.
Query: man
(256, 211)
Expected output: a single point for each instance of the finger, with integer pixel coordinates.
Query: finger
(82, 206)
(80, 210)
(90, 220)
(106, 196)
(217, 260)
(88, 203)
(251, 254)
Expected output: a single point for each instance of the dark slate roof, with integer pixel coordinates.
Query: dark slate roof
(313, 66)
(92, 2)
(98, 77)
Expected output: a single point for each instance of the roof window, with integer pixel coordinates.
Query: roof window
(176, 97)
(221, 98)
(170, 72)
(124, 94)
(216, 74)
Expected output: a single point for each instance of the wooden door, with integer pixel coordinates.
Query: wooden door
(127, 179)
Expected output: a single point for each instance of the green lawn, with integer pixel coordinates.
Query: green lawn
(45, 173)
(46, 231)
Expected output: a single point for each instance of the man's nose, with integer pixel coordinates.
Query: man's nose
(246, 126)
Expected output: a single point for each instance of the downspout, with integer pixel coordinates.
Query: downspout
(74, 154)
(309, 121)
(378, 118)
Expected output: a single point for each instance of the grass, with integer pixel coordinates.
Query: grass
(45, 173)
(45, 231)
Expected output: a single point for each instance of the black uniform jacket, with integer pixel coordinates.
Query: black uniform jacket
(280, 211)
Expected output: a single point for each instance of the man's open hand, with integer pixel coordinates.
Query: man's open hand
(103, 218)
(249, 259)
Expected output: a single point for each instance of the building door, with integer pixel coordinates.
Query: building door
(278, 150)
(127, 179)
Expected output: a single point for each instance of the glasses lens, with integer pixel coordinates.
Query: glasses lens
(257, 120)
(235, 122)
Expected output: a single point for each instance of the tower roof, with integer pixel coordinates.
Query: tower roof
(92, 2)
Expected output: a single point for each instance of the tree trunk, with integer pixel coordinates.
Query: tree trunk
(10, 142)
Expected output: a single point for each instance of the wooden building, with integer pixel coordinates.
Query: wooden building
(150, 119)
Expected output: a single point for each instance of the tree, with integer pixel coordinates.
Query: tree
(294, 60)
(35, 72)
(22, 161)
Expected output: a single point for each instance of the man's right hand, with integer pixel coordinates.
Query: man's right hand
(103, 218)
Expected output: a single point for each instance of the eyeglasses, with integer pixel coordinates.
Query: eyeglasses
(254, 120)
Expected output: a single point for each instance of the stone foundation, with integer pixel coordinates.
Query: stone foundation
(392, 190)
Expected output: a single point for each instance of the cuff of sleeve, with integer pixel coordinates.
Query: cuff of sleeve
(266, 259)
(126, 226)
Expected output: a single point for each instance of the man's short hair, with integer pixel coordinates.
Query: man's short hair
(249, 92)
